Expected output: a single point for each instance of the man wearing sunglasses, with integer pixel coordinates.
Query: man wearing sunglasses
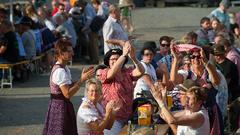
(165, 51)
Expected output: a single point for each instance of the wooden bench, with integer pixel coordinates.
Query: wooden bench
(37, 62)
(9, 68)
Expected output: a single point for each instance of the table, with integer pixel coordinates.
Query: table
(161, 129)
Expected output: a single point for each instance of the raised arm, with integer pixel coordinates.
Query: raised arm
(174, 76)
(211, 69)
(139, 69)
(116, 42)
(119, 63)
(193, 120)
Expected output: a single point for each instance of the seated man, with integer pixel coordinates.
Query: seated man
(9, 48)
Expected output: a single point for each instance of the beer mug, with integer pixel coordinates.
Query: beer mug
(144, 114)
(169, 101)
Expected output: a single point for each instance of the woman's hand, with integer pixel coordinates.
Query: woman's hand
(109, 107)
(203, 56)
(113, 106)
(132, 53)
(116, 106)
(174, 51)
(87, 73)
(156, 92)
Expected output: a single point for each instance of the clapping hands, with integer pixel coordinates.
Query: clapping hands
(87, 73)
(159, 92)
(113, 106)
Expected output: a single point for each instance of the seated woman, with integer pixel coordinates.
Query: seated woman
(91, 118)
(191, 121)
(141, 85)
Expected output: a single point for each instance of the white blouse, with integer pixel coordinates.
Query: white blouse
(62, 76)
(87, 115)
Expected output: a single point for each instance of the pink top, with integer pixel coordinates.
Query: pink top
(234, 56)
(119, 90)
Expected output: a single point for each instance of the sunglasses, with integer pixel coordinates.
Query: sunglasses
(62, 9)
(163, 45)
(195, 56)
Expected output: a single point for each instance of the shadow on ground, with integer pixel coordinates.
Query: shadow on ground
(26, 111)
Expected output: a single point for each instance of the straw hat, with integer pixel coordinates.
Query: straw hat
(125, 3)
(218, 50)
(110, 53)
(187, 84)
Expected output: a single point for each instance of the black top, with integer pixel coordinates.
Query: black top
(230, 72)
(12, 53)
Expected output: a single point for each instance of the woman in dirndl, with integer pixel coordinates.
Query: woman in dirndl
(60, 118)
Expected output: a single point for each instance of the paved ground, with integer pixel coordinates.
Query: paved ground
(23, 108)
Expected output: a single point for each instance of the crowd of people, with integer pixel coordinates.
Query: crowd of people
(200, 71)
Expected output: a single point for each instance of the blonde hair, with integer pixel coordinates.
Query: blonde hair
(93, 81)
(113, 8)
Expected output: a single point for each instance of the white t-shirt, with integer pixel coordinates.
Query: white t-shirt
(141, 85)
(204, 129)
(62, 76)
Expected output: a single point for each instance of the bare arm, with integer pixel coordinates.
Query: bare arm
(116, 42)
(119, 63)
(107, 121)
(193, 120)
(172, 126)
(69, 90)
(139, 69)
(99, 126)
(162, 69)
(211, 69)
(174, 76)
